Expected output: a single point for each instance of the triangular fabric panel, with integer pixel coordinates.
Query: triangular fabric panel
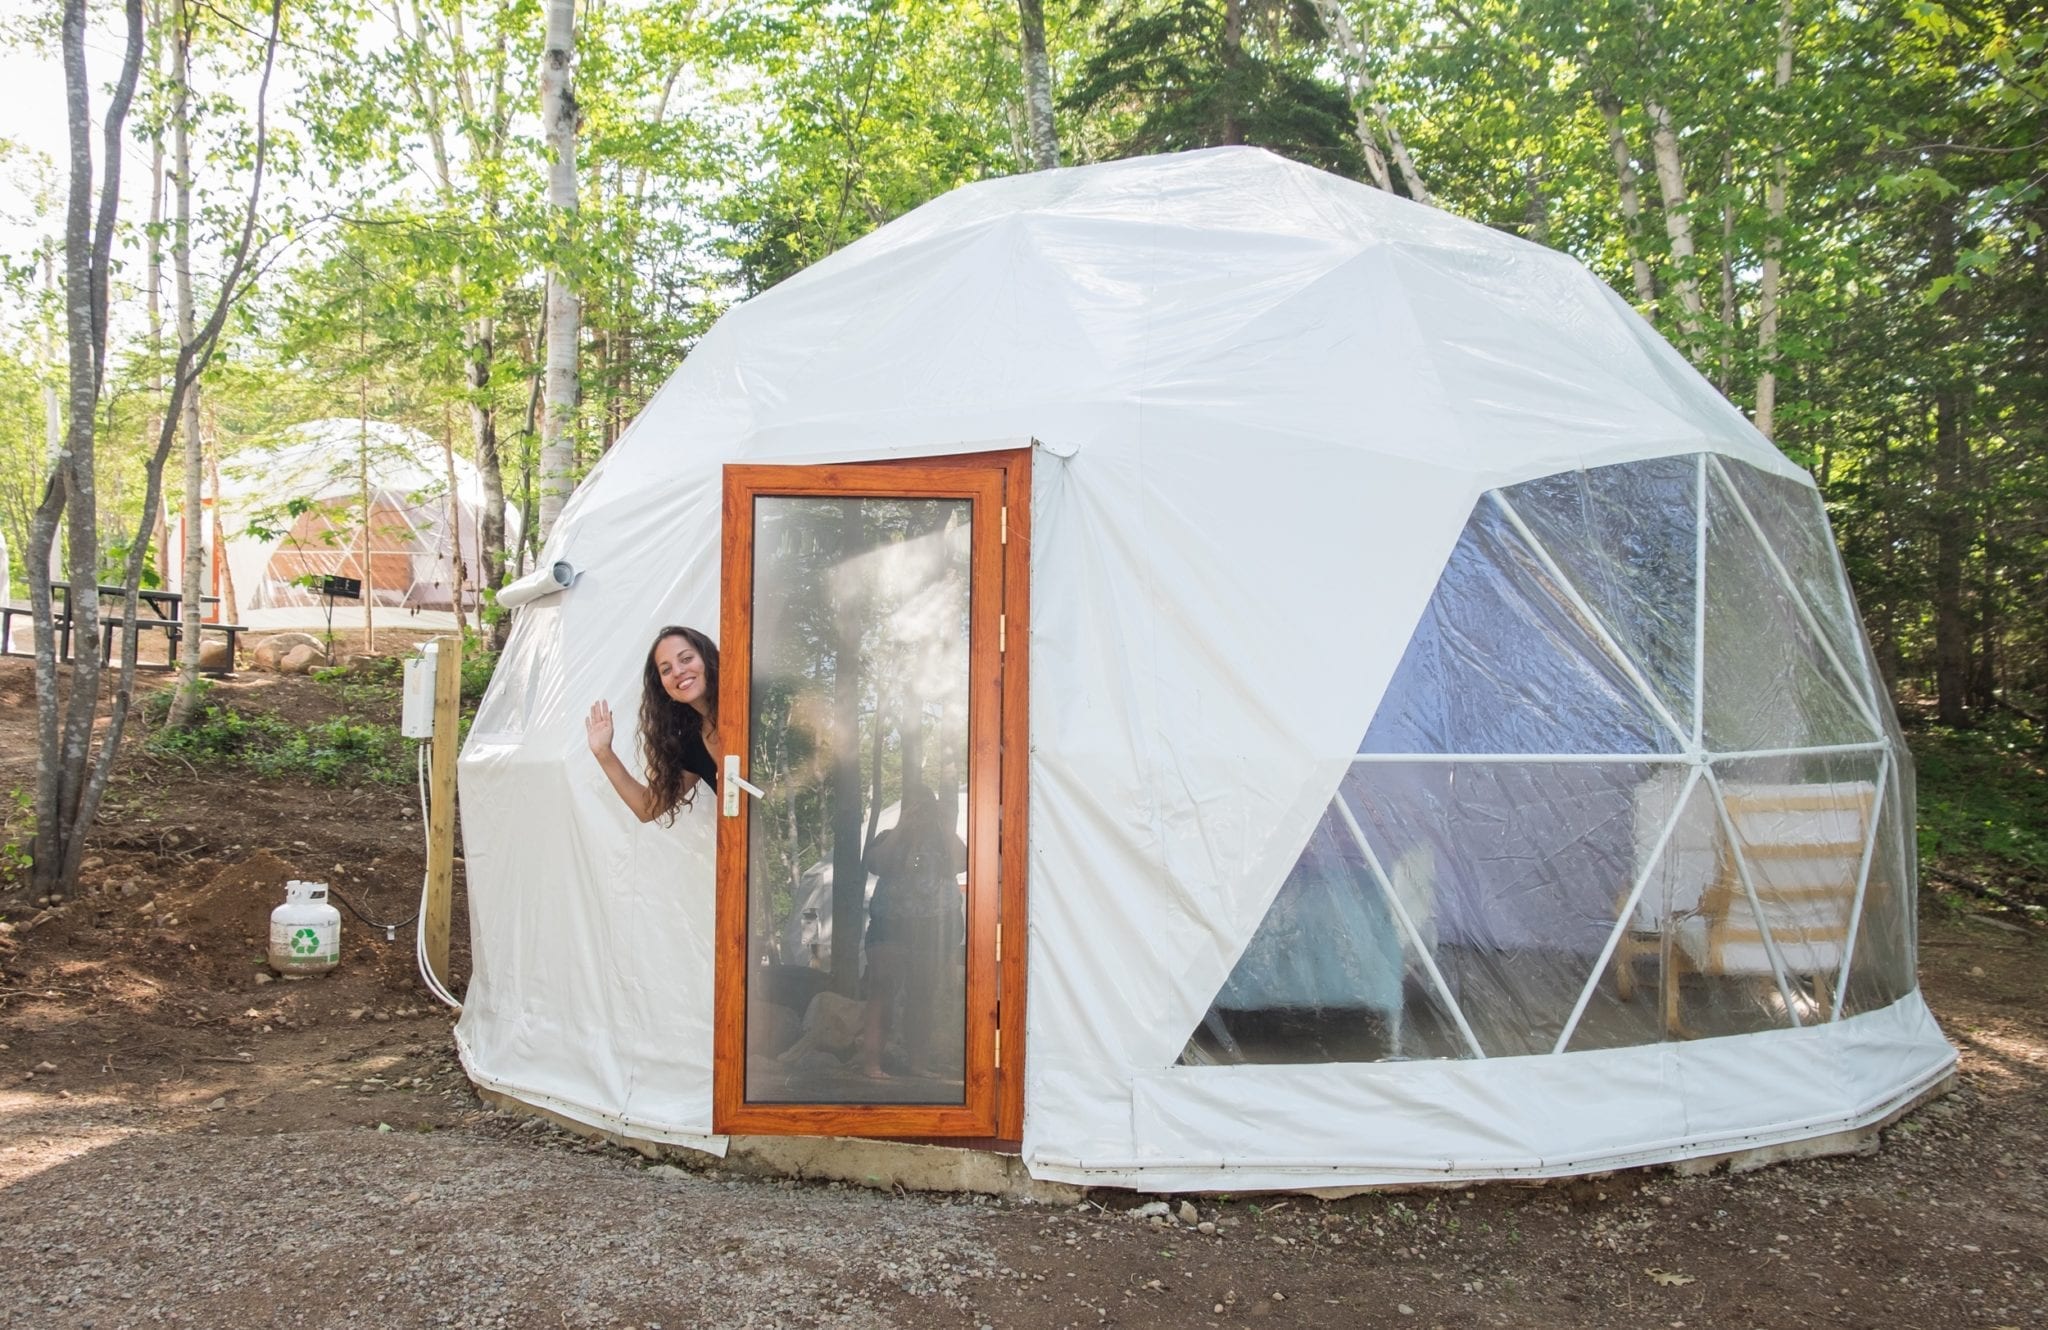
(1331, 975)
(1625, 536)
(1768, 684)
(1502, 663)
(1795, 523)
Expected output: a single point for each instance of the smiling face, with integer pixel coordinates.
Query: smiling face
(681, 670)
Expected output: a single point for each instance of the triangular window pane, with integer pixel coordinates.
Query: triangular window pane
(1625, 536)
(1502, 663)
(1527, 866)
(1795, 522)
(1717, 978)
(1768, 683)
(1330, 976)
(1802, 824)
(1881, 969)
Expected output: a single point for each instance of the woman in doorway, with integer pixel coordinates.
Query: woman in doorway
(678, 726)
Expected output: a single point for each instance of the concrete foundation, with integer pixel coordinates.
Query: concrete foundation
(882, 1165)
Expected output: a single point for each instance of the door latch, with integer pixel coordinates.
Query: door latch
(729, 788)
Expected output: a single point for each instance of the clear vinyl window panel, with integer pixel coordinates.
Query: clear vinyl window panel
(1631, 782)
(856, 988)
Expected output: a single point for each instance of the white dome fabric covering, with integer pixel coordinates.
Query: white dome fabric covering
(411, 550)
(1271, 404)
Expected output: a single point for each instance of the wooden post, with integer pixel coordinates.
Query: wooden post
(441, 802)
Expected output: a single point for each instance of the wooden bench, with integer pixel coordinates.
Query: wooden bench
(173, 630)
(111, 627)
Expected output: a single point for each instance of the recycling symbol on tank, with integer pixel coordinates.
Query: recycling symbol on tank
(305, 942)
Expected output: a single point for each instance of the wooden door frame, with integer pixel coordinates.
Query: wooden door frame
(998, 756)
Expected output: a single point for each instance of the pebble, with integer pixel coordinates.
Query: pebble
(1188, 1213)
(46, 1067)
(1206, 1228)
(1405, 1309)
(218, 1104)
(265, 977)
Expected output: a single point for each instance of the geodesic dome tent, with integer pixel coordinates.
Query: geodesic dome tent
(403, 546)
(1452, 747)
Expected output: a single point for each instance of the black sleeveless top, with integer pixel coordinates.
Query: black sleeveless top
(698, 761)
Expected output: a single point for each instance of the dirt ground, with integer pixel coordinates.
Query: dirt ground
(185, 1142)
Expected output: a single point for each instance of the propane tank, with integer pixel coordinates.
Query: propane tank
(305, 931)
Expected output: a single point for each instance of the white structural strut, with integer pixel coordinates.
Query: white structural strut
(1628, 910)
(1408, 928)
(1699, 602)
(1884, 764)
(1811, 750)
(1535, 759)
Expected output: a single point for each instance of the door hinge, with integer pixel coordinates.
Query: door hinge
(999, 1045)
(1006, 523)
(1002, 633)
(999, 941)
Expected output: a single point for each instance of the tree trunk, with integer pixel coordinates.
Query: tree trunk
(364, 496)
(1727, 272)
(230, 609)
(1233, 59)
(558, 123)
(65, 799)
(1631, 201)
(456, 572)
(1774, 240)
(1951, 543)
(192, 578)
(483, 421)
(1045, 145)
(1677, 219)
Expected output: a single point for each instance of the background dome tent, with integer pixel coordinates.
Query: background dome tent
(403, 549)
(1453, 749)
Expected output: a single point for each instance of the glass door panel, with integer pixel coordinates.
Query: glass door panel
(857, 854)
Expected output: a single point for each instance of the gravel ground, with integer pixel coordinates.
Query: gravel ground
(399, 1228)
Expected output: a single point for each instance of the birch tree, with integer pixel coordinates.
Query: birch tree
(564, 315)
(1774, 236)
(1045, 147)
(193, 579)
(1365, 97)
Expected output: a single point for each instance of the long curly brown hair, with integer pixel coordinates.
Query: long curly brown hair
(669, 730)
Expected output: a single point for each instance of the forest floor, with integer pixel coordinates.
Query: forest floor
(184, 1141)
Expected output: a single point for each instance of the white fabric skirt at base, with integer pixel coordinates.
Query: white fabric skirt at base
(1390, 1123)
(621, 1125)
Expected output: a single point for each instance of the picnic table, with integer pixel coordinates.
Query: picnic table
(156, 610)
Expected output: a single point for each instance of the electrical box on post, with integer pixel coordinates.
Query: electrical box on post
(416, 714)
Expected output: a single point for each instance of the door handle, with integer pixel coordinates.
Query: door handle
(729, 788)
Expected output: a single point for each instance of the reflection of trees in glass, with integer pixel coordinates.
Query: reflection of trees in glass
(859, 685)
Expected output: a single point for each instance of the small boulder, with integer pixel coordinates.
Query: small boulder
(270, 652)
(215, 655)
(302, 659)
